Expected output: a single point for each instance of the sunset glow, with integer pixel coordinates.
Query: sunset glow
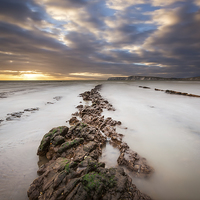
(24, 75)
(33, 76)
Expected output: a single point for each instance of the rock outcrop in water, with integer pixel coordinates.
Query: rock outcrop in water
(181, 93)
(73, 171)
(172, 92)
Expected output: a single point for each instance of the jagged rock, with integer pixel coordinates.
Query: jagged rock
(94, 111)
(68, 145)
(135, 163)
(60, 180)
(75, 114)
(31, 109)
(79, 106)
(82, 130)
(58, 140)
(90, 146)
(73, 121)
(92, 115)
(49, 138)
(14, 115)
(73, 170)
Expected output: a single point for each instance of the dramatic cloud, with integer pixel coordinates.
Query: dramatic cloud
(95, 39)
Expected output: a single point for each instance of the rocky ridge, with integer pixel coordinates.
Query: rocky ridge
(151, 78)
(17, 115)
(172, 92)
(73, 171)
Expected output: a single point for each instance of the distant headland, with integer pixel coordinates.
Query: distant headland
(151, 78)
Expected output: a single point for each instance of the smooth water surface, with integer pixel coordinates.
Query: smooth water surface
(163, 128)
(20, 138)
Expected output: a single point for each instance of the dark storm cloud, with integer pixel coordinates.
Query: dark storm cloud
(84, 43)
(12, 36)
(19, 10)
(179, 43)
(71, 37)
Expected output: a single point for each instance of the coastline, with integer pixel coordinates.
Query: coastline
(73, 155)
(156, 121)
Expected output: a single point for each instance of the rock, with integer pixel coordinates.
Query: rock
(75, 114)
(73, 170)
(67, 145)
(58, 98)
(49, 138)
(158, 89)
(82, 130)
(60, 180)
(9, 118)
(58, 140)
(180, 93)
(94, 111)
(14, 115)
(44, 145)
(144, 87)
(73, 121)
(31, 109)
(90, 146)
(50, 102)
(135, 163)
(79, 106)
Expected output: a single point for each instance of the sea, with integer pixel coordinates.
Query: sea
(161, 127)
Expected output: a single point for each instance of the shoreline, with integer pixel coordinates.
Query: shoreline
(73, 158)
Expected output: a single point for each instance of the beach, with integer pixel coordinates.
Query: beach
(161, 127)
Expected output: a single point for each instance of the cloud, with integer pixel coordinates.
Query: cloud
(85, 38)
(179, 37)
(123, 4)
(19, 10)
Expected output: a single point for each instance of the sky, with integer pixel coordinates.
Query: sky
(97, 39)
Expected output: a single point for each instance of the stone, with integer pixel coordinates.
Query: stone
(67, 145)
(90, 146)
(135, 163)
(73, 121)
(61, 181)
(49, 138)
(144, 87)
(58, 140)
(31, 109)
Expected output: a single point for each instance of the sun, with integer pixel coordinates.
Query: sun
(30, 76)
(33, 76)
